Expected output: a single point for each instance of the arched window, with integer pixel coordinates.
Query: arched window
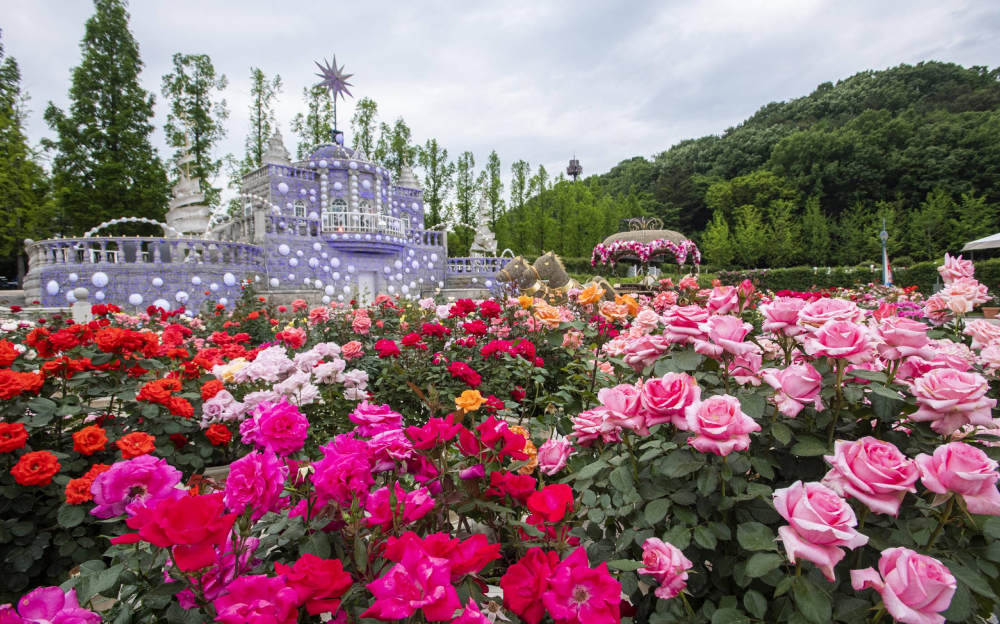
(337, 205)
(248, 207)
(300, 208)
(366, 207)
(406, 221)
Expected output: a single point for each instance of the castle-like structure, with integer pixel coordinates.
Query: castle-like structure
(334, 226)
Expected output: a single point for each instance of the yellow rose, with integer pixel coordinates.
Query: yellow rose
(229, 372)
(532, 453)
(591, 294)
(548, 316)
(470, 401)
(629, 302)
(525, 301)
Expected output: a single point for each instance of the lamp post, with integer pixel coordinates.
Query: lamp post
(884, 236)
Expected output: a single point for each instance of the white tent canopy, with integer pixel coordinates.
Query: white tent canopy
(990, 242)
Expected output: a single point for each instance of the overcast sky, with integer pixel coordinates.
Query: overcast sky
(535, 80)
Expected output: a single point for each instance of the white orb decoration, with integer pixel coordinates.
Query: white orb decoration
(368, 237)
(283, 249)
(398, 264)
(365, 184)
(323, 164)
(392, 288)
(324, 254)
(135, 299)
(399, 276)
(430, 265)
(70, 296)
(353, 165)
(475, 280)
(326, 269)
(347, 290)
(313, 262)
(440, 284)
(314, 215)
(229, 279)
(291, 276)
(274, 282)
(329, 290)
(162, 304)
(306, 281)
(196, 280)
(326, 300)
(340, 297)
(350, 268)
(299, 253)
(386, 270)
(416, 206)
(337, 186)
(181, 296)
(415, 264)
(404, 288)
(99, 295)
(335, 263)
(282, 188)
(317, 247)
(157, 281)
(73, 277)
(302, 193)
(283, 225)
(413, 284)
(293, 262)
(223, 301)
(213, 287)
(99, 279)
(317, 284)
(410, 253)
(52, 287)
(434, 257)
(336, 276)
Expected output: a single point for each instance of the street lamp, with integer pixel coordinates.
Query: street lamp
(886, 271)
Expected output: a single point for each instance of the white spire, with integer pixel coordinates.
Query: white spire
(406, 177)
(276, 153)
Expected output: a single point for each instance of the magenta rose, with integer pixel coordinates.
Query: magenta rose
(814, 315)
(720, 426)
(49, 605)
(644, 351)
(144, 480)
(373, 419)
(722, 300)
(902, 337)
(280, 427)
(258, 598)
(796, 386)
(872, 471)
(915, 588)
(683, 324)
(667, 398)
(958, 468)
(724, 334)
(842, 340)
(950, 399)
(819, 523)
(667, 564)
(781, 316)
(553, 455)
(256, 481)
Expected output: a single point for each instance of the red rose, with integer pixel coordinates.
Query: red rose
(12, 437)
(7, 353)
(89, 440)
(517, 486)
(218, 435)
(193, 525)
(552, 503)
(386, 348)
(526, 581)
(178, 440)
(35, 468)
(180, 407)
(136, 444)
(318, 583)
(462, 371)
(110, 340)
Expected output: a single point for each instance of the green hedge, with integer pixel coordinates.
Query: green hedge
(922, 274)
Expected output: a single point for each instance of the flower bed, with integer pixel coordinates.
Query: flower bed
(706, 455)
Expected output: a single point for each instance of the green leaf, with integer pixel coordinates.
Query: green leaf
(755, 603)
(763, 467)
(621, 479)
(680, 463)
(860, 373)
(729, 616)
(974, 580)
(41, 405)
(317, 544)
(782, 433)
(886, 403)
(762, 563)
(687, 360)
(753, 405)
(625, 564)
(360, 553)
(656, 510)
(590, 470)
(98, 583)
(755, 536)
(961, 605)
(71, 515)
(22, 528)
(811, 601)
(808, 447)
(704, 537)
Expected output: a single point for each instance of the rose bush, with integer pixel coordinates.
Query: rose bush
(709, 455)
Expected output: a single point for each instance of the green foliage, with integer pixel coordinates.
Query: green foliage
(196, 117)
(439, 178)
(105, 165)
(465, 189)
(314, 126)
(750, 236)
(716, 243)
(493, 189)
(816, 231)
(263, 94)
(363, 125)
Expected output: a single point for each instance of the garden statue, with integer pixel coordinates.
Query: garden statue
(547, 278)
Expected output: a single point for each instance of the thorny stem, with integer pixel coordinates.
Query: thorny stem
(943, 521)
(839, 364)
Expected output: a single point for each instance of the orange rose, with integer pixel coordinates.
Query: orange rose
(470, 401)
(180, 407)
(591, 294)
(31, 382)
(525, 301)
(7, 353)
(548, 316)
(613, 311)
(218, 434)
(78, 491)
(12, 437)
(109, 339)
(35, 468)
(136, 444)
(210, 389)
(89, 440)
(629, 302)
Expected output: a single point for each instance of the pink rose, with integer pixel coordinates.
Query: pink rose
(722, 300)
(644, 351)
(666, 398)
(950, 399)
(814, 315)
(572, 339)
(724, 334)
(872, 471)
(373, 419)
(983, 333)
(667, 564)
(595, 424)
(280, 427)
(622, 406)
(256, 481)
(553, 455)
(399, 510)
(646, 320)
(915, 588)
(819, 523)
(796, 385)
(901, 338)
(967, 288)
(964, 470)
(842, 340)
(745, 369)
(955, 268)
(683, 323)
(361, 325)
(781, 316)
(351, 350)
(720, 426)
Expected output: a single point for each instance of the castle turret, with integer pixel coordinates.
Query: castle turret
(485, 243)
(276, 153)
(188, 213)
(407, 179)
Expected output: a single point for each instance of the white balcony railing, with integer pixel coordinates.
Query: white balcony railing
(336, 222)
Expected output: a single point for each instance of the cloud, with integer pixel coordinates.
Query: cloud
(534, 80)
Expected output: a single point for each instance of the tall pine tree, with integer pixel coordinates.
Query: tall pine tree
(196, 116)
(521, 171)
(105, 165)
(314, 126)
(27, 204)
(465, 189)
(263, 95)
(439, 178)
(815, 233)
(363, 126)
(493, 188)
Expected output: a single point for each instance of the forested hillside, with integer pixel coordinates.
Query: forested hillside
(809, 180)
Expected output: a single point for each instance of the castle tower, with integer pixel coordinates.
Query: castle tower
(485, 243)
(406, 178)
(188, 213)
(276, 153)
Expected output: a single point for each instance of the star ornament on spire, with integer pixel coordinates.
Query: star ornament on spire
(334, 79)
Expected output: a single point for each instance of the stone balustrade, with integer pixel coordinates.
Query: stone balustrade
(141, 250)
(477, 266)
